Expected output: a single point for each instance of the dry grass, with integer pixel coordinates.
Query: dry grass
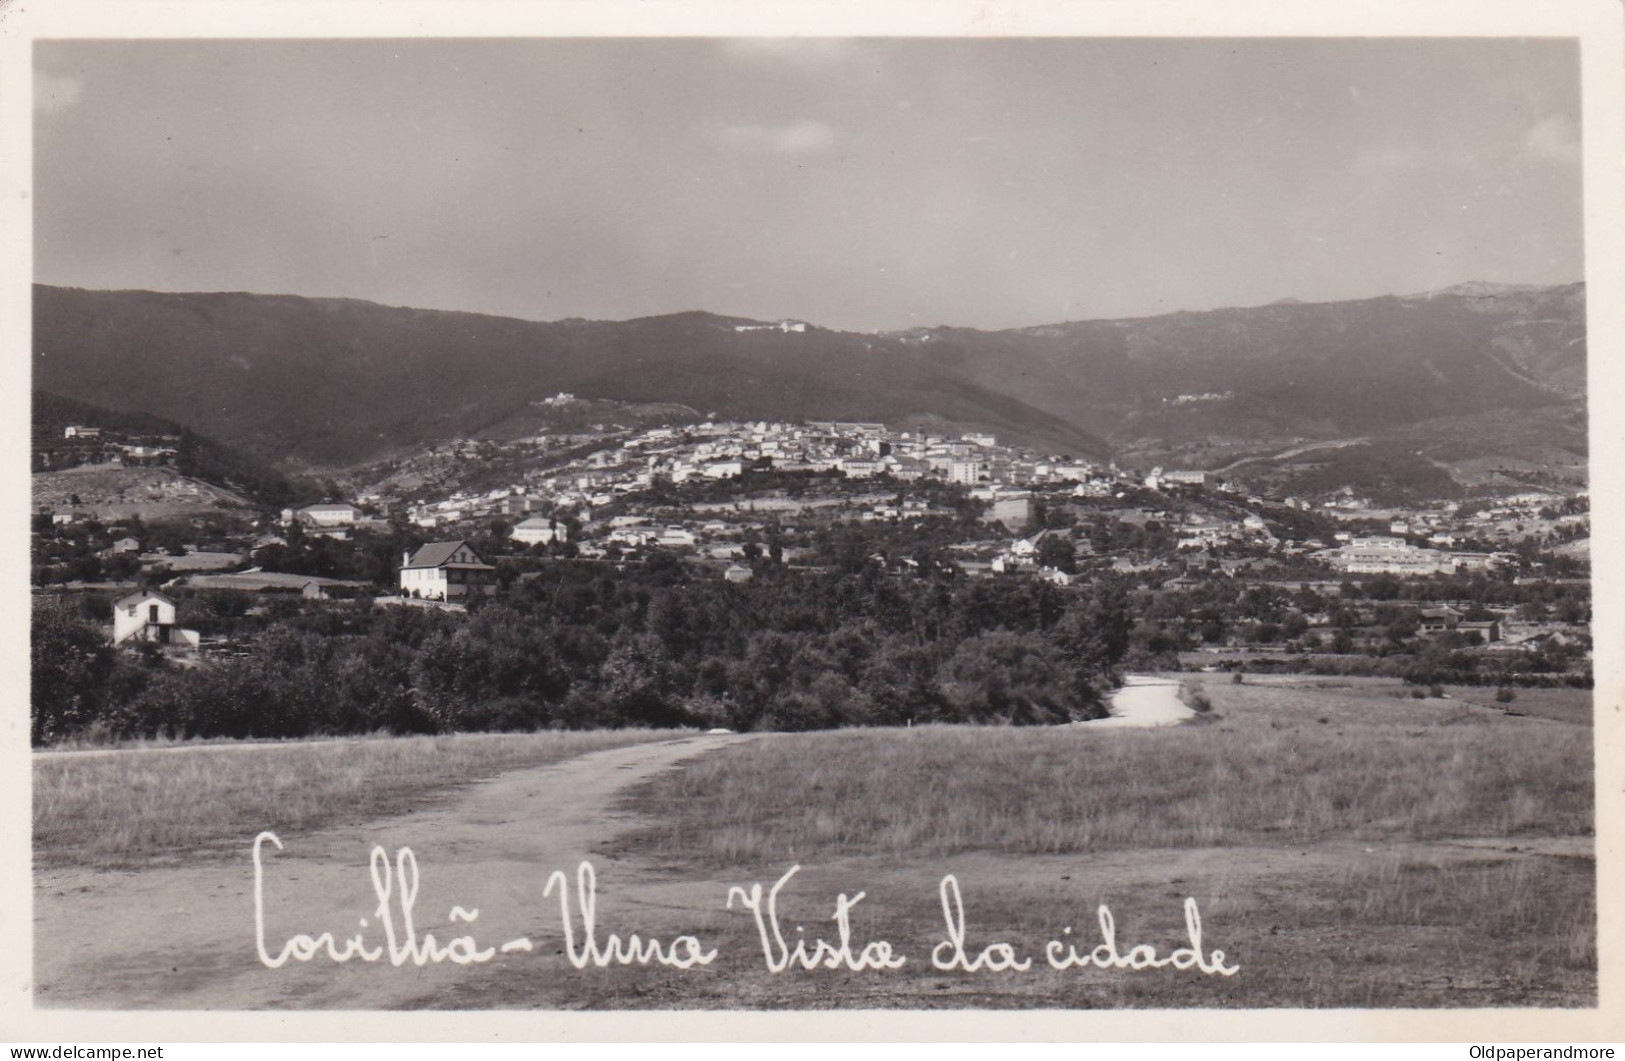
(1522, 907)
(940, 791)
(1381, 701)
(1317, 825)
(1313, 823)
(1559, 705)
(148, 807)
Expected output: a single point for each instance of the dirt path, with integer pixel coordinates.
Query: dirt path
(1142, 703)
(184, 938)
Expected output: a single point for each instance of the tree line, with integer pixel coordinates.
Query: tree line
(581, 645)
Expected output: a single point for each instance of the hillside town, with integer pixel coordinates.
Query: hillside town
(1276, 582)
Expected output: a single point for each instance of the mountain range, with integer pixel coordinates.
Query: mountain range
(327, 383)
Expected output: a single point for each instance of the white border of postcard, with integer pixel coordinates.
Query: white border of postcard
(1596, 23)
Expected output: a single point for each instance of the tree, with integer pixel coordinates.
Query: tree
(641, 683)
(69, 663)
(1055, 550)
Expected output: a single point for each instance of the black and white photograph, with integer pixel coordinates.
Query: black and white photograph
(828, 521)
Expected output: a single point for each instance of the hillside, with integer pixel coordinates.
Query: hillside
(328, 382)
(112, 493)
(1285, 371)
(321, 383)
(222, 473)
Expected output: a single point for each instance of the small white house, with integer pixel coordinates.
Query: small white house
(149, 616)
(328, 515)
(538, 531)
(675, 538)
(445, 571)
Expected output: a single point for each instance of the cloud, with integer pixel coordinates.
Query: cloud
(796, 138)
(1554, 139)
(53, 94)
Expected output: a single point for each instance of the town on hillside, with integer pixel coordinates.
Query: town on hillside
(1201, 570)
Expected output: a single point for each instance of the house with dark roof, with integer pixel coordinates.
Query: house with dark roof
(1439, 620)
(445, 571)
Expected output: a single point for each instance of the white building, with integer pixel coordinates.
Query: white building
(1391, 556)
(966, 472)
(445, 571)
(323, 515)
(538, 531)
(149, 616)
(675, 537)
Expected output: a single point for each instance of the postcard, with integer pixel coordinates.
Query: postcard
(804, 522)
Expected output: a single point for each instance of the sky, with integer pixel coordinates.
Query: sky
(857, 183)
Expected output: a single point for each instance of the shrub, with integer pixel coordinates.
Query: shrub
(1505, 695)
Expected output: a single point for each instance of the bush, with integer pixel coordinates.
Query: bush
(1505, 695)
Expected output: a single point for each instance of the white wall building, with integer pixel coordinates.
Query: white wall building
(1391, 556)
(324, 515)
(149, 616)
(445, 571)
(538, 531)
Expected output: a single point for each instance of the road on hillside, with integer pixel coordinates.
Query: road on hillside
(185, 937)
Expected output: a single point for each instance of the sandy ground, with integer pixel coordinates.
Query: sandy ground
(185, 938)
(1144, 702)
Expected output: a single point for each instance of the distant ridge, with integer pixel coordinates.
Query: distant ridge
(328, 382)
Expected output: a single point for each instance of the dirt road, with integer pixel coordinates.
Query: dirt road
(185, 937)
(1144, 703)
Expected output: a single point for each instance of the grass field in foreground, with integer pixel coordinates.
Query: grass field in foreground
(943, 790)
(1349, 846)
(148, 807)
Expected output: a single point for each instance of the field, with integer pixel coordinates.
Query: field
(163, 805)
(1346, 845)
(113, 492)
